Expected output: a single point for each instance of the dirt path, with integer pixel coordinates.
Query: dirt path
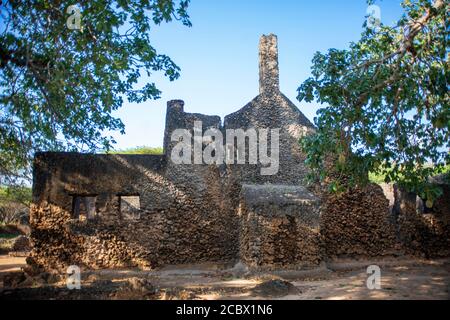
(10, 264)
(408, 280)
(342, 280)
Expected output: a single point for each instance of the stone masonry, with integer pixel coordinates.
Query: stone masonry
(114, 211)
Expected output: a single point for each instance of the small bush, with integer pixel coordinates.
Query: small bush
(139, 150)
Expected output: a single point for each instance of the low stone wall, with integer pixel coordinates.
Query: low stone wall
(424, 234)
(279, 227)
(357, 223)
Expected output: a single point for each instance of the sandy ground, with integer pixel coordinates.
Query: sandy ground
(341, 280)
(10, 264)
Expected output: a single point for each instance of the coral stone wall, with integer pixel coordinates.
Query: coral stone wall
(357, 223)
(177, 222)
(188, 212)
(273, 111)
(423, 234)
(279, 227)
(192, 213)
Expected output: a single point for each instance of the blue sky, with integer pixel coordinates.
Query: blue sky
(218, 55)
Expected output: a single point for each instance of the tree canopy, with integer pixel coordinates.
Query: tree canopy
(385, 103)
(64, 69)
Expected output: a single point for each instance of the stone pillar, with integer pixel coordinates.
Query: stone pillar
(269, 81)
(174, 120)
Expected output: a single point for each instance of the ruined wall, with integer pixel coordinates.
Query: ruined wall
(189, 214)
(108, 240)
(357, 223)
(177, 223)
(423, 234)
(279, 227)
(363, 223)
(272, 110)
(213, 220)
(193, 213)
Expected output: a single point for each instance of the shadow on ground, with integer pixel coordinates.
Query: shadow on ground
(401, 279)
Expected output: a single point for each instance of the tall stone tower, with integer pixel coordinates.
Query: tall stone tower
(269, 77)
(271, 109)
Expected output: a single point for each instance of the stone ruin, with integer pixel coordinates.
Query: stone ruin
(112, 211)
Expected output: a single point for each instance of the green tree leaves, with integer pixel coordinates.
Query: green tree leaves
(59, 87)
(386, 103)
